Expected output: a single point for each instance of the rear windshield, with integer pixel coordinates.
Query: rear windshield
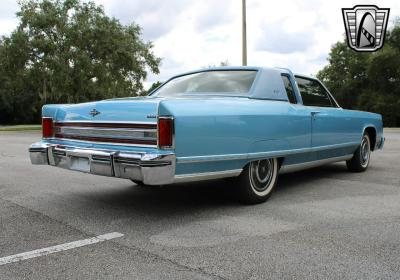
(227, 81)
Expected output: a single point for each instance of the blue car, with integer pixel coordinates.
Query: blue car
(248, 123)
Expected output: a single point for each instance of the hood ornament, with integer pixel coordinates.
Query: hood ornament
(94, 112)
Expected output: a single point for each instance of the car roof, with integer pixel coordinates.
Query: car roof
(263, 87)
(282, 70)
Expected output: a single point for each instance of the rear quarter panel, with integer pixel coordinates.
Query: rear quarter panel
(220, 134)
(361, 120)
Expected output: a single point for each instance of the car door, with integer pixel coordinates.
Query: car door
(298, 123)
(330, 129)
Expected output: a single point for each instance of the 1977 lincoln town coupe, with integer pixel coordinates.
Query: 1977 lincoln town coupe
(245, 122)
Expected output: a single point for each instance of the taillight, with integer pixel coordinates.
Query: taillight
(165, 132)
(47, 127)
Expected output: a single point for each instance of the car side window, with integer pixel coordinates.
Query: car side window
(289, 89)
(313, 93)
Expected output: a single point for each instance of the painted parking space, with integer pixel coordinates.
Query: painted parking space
(58, 248)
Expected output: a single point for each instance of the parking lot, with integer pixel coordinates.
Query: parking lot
(321, 223)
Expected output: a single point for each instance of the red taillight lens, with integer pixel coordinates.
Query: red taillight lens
(165, 132)
(47, 127)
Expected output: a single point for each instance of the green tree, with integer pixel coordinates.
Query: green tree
(345, 74)
(367, 81)
(153, 87)
(67, 52)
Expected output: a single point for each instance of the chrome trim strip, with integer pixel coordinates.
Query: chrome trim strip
(47, 144)
(92, 132)
(120, 141)
(141, 134)
(251, 156)
(109, 128)
(108, 122)
(103, 143)
(207, 175)
(310, 164)
(199, 159)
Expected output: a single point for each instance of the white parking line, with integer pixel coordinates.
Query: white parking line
(59, 248)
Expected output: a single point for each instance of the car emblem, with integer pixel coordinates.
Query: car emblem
(94, 112)
(365, 27)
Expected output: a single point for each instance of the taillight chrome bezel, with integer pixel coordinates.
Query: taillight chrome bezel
(45, 120)
(172, 142)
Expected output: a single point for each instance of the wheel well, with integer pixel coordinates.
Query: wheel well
(372, 136)
(280, 161)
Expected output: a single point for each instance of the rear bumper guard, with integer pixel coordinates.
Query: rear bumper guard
(149, 168)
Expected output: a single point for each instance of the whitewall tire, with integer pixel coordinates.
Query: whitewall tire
(258, 180)
(360, 160)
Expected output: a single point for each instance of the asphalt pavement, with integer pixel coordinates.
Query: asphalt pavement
(324, 223)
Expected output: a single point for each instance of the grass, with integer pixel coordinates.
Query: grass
(23, 127)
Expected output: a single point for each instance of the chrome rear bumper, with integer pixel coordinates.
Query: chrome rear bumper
(379, 144)
(149, 168)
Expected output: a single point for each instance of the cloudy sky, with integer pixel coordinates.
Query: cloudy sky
(190, 34)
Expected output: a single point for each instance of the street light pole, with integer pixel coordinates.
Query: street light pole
(244, 36)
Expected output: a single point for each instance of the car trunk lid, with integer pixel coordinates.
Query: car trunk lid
(119, 110)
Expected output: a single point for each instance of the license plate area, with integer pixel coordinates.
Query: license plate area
(80, 164)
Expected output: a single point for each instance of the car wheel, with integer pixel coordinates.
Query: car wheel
(257, 180)
(360, 160)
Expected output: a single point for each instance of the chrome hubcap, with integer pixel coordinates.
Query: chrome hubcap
(364, 151)
(261, 174)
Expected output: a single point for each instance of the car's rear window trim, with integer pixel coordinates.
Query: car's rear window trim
(213, 70)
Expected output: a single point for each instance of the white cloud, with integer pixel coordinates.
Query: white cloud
(275, 39)
(189, 34)
(210, 14)
(156, 17)
(7, 26)
(8, 19)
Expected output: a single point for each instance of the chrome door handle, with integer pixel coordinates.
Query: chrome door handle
(313, 113)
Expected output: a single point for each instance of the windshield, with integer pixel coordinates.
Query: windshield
(227, 81)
